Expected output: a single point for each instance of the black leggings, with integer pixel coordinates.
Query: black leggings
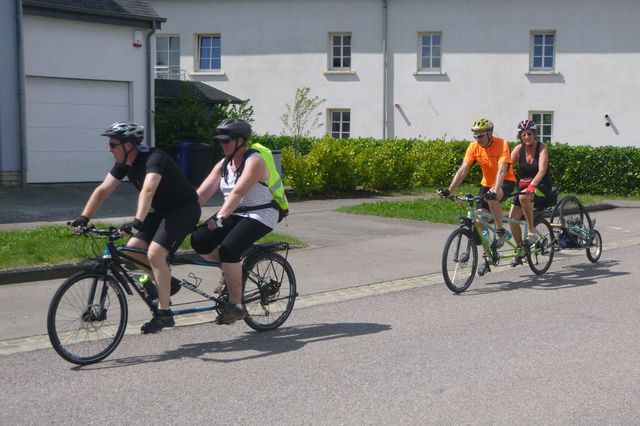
(237, 235)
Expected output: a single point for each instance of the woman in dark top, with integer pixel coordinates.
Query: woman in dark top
(533, 161)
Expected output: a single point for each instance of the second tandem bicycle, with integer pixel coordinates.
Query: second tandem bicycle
(460, 256)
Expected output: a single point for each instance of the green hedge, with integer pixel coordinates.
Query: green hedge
(327, 165)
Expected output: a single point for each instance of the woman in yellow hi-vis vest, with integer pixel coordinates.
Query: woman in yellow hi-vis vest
(247, 214)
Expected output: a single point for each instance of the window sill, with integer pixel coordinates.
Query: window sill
(339, 72)
(208, 73)
(418, 73)
(541, 72)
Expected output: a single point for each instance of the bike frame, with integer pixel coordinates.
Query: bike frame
(114, 257)
(477, 220)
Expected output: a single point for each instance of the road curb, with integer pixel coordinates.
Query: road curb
(42, 273)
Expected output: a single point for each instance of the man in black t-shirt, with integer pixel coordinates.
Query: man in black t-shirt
(167, 208)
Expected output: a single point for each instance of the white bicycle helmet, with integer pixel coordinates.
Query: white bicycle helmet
(127, 132)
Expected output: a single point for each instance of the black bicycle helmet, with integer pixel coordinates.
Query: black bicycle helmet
(233, 127)
(129, 132)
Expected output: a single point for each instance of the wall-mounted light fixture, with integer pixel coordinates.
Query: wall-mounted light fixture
(137, 38)
(608, 120)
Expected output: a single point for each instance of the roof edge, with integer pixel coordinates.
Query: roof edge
(75, 13)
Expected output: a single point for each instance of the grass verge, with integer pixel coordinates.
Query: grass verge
(432, 208)
(51, 245)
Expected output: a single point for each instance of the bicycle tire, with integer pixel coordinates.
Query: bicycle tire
(269, 291)
(81, 330)
(594, 247)
(540, 255)
(458, 274)
(571, 210)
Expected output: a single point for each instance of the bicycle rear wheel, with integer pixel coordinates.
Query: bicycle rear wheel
(594, 247)
(269, 291)
(540, 255)
(459, 260)
(87, 317)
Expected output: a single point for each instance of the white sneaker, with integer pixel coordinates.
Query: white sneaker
(531, 239)
(502, 237)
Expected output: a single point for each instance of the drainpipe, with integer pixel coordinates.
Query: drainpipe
(385, 115)
(150, 93)
(21, 93)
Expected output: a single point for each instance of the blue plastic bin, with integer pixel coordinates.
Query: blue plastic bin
(184, 158)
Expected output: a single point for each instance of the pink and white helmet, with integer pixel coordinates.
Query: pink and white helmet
(526, 125)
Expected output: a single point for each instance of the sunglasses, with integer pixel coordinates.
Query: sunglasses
(479, 135)
(113, 145)
(232, 137)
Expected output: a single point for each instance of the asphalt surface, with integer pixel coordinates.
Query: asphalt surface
(514, 349)
(376, 337)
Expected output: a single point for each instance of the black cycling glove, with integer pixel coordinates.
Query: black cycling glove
(444, 192)
(131, 227)
(490, 196)
(80, 221)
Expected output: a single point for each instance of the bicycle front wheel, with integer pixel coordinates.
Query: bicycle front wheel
(459, 260)
(540, 254)
(269, 291)
(594, 246)
(87, 317)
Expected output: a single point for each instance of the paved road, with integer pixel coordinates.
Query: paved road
(376, 338)
(515, 349)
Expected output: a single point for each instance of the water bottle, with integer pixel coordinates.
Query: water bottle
(149, 287)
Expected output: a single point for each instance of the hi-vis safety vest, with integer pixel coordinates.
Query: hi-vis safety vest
(274, 184)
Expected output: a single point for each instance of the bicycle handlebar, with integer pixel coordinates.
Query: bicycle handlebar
(469, 198)
(111, 232)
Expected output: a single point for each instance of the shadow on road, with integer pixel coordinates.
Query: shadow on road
(578, 275)
(253, 345)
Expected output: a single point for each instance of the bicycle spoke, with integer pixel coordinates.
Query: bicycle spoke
(540, 254)
(81, 328)
(459, 260)
(269, 292)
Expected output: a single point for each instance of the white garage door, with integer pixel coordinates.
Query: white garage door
(64, 120)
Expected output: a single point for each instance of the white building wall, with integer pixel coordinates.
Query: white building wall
(80, 78)
(91, 51)
(272, 47)
(486, 61)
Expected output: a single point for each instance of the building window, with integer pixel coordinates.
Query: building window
(340, 123)
(209, 53)
(430, 53)
(542, 51)
(340, 52)
(168, 57)
(544, 123)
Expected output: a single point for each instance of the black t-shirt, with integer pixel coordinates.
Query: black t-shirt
(173, 190)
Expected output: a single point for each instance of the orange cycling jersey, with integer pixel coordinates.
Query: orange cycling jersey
(488, 158)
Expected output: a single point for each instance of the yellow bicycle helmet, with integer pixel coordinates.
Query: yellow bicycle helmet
(482, 125)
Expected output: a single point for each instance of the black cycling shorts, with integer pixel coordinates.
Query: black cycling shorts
(507, 189)
(548, 200)
(169, 228)
(237, 234)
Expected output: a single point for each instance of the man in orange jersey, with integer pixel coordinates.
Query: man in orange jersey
(498, 180)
